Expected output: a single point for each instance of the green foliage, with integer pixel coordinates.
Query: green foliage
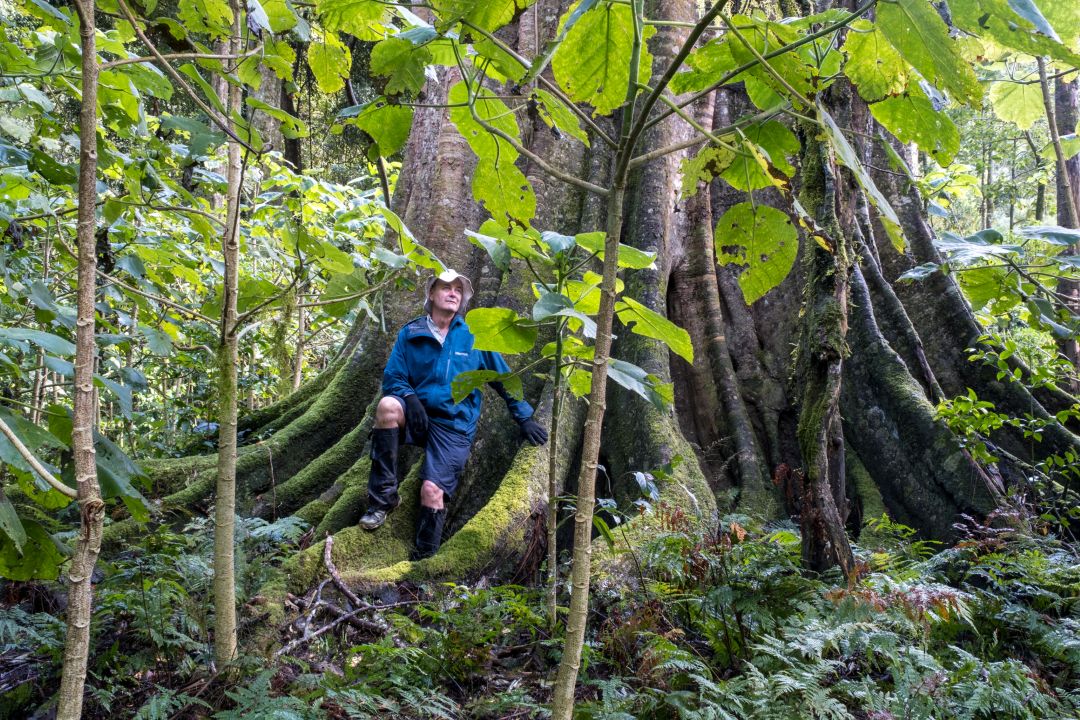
(918, 33)
(763, 160)
(329, 60)
(361, 18)
(847, 157)
(254, 699)
(497, 182)
(911, 117)
(875, 68)
(1018, 26)
(1020, 103)
(152, 618)
(593, 63)
(762, 240)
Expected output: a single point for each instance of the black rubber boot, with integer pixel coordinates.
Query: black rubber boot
(429, 529)
(383, 481)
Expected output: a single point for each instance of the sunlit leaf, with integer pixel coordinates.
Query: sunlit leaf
(330, 62)
(592, 65)
(649, 323)
(361, 18)
(1018, 103)
(916, 30)
(911, 117)
(500, 330)
(873, 65)
(388, 125)
(763, 241)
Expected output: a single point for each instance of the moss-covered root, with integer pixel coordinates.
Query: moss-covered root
(283, 411)
(319, 476)
(192, 480)
(915, 461)
(497, 530)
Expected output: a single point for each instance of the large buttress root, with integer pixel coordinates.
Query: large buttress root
(948, 328)
(916, 463)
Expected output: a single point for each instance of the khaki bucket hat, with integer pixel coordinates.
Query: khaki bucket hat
(449, 276)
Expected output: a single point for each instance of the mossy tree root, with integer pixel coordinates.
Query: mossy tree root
(491, 538)
(319, 475)
(917, 464)
(269, 465)
(280, 413)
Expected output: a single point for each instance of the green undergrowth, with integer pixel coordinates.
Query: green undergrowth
(710, 623)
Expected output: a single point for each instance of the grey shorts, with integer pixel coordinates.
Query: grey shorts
(445, 453)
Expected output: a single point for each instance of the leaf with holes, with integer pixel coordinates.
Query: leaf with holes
(592, 64)
(873, 65)
(771, 142)
(504, 191)
(557, 116)
(703, 167)
(763, 241)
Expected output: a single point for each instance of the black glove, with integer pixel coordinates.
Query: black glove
(416, 418)
(534, 432)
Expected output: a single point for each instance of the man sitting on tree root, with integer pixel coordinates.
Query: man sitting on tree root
(417, 409)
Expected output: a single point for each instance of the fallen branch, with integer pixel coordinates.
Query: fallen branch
(285, 649)
(328, 560)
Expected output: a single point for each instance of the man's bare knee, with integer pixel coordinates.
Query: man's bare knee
(431, 495)
(389, 414)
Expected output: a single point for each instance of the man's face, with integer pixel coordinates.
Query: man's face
(446, 296)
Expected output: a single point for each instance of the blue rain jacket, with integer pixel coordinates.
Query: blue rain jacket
(420, 365)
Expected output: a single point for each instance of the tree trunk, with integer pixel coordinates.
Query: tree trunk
(820, 363)
(1068, 194)
(84, 422)
(225, 640)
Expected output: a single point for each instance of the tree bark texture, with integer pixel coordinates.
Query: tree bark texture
(88, 491)
(820, 361)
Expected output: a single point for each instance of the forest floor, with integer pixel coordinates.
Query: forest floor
(723, 624)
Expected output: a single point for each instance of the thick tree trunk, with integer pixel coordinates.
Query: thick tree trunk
(84, 421)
